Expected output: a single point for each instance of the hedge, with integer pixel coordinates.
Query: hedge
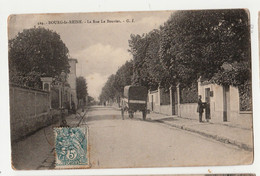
(245, 96)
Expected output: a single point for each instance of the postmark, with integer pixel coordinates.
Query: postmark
(71, 147)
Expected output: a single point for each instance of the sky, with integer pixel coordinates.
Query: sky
(100, 48)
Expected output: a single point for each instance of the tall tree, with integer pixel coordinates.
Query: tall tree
(138, 47)
(159, 75)
(123, 77)
(114, 87)
(81, 88)
(108, 91)
(148, 70)
(200, 43)
(37, 52)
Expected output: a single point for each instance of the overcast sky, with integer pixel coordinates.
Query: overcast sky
(100, 48)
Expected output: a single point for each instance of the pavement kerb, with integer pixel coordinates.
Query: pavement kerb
(215, 137)
(116, 108)
(216, 123)
(192, 119)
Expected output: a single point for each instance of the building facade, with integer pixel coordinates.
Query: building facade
(223, 103)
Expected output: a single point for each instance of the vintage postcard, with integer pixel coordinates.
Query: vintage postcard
(230, 174)
(210, 174)
(130, 89)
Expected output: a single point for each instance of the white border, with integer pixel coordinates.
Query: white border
(8, 7)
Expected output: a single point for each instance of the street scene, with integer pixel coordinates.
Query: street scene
(151, 89)
(138, 143)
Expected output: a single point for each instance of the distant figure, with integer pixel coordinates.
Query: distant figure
(200, 108)
(83, 107)
(122, 105)
(63, 122)
(73, 107)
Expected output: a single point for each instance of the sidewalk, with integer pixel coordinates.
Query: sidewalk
(36, 152)
(236, 135)
(73, 120)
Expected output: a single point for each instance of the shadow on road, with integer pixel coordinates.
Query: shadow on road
(169, 119)
(99, 108)
(159, 120)
(104, 117)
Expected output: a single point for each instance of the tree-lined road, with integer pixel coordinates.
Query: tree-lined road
(135, 143)
(117, 143)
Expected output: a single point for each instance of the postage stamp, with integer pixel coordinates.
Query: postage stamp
(71, 147)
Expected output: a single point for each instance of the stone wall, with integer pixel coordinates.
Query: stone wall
(189, 110)
(29, 111)
(166, 109)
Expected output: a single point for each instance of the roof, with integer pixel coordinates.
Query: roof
(135, 92)
(72, 59)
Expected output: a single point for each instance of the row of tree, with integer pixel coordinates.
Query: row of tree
(82, 91)
(211, 44)
(114, 86)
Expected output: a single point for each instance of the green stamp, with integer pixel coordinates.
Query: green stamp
(71, 147)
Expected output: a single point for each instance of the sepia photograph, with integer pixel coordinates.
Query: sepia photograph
(230, 174)
(130, 89)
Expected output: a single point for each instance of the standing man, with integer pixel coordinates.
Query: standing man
(122, 104)
(200, 108)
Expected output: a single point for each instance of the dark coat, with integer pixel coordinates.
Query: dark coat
(200, 106)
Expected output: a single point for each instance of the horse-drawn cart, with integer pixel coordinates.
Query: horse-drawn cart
(135, 99)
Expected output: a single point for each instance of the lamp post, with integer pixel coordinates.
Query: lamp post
(62, 108)
(63, 79)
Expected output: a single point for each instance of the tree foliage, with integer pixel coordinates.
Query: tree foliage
(114, 87)
(138, 47)
(148, 70)
(123, 77)
(37, 50)
(91, 101)
(211, 44)
(108, 91)
(198, 43)
(245, 96)
(81, 88)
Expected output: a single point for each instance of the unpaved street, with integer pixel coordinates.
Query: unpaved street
(117, 143)
(135, 143)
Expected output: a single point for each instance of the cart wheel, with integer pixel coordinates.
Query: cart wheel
(122, 113)
(131, 115)
(144, 115)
